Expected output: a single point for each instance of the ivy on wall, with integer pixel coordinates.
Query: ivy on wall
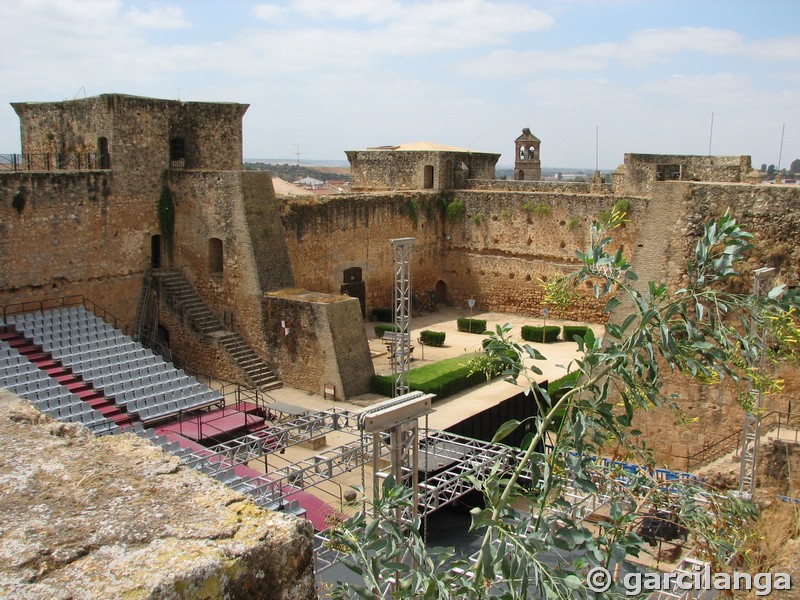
(166, 218)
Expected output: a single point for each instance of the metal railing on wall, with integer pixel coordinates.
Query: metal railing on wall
(53, 303)
(777, 422)
(69, 161)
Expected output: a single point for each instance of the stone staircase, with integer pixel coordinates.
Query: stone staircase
(185, 300)
(188, 302)
(248, 361)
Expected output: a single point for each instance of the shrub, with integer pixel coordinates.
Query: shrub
(478, 219)
(546, 334)
(432, 338)
(443, 378)
(455, 209)
(538, 210)
(471, 325)
(382, 314)
(382, 328)
(570, 331)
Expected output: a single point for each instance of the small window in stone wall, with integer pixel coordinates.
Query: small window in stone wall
(177, 153)
(668, 172)
(215, 258)
(103, 158)
(522, 152)
(531, 153)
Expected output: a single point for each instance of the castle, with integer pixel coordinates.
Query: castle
(142, 206)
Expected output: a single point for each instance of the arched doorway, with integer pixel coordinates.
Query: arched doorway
(521, 176)
(441, 292)
(103, 158)
(428, 173)
(353, 285)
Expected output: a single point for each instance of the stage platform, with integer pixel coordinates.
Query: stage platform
(222, 423)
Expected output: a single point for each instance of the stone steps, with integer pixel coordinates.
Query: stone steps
(203, 320)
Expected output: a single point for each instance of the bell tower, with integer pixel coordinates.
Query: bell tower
(527, 165)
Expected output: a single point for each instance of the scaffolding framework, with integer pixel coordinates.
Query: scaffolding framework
(401, 347)
(249, 447)
(751, 431)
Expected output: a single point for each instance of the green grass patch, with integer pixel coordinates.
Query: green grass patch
(443, 378)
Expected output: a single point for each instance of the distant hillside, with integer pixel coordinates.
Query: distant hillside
(294, 172)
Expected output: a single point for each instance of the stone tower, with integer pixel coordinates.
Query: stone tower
(527, 166)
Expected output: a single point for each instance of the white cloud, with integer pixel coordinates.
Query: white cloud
(642, 49)
(716, 89)
(267, 12)
(158, 17)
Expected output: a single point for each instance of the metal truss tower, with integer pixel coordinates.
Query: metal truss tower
(401, 348)
(751, 432)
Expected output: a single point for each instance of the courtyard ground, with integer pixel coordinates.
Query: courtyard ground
(448, 411)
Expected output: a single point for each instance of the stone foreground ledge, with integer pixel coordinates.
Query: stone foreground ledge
(115, 517)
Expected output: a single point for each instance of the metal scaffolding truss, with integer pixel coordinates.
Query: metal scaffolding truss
(255, 445)
(401, 347)
(324, 466)
(470, 457)
(752, 420)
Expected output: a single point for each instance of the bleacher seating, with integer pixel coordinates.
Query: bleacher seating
(25, 379)
(121, 369)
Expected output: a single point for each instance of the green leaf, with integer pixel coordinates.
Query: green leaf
(505, 430)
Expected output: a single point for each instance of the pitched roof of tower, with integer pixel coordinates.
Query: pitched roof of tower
(527, 136)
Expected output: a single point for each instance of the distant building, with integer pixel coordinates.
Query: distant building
(528, 165)
(418, 166)
(309, 183)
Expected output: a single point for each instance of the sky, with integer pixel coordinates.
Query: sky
(593, 79)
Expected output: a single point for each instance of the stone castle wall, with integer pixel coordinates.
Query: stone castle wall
(507, 241)
(75, 233)
(340, 232)
(496, 252)
(547, 187)
(677, 213)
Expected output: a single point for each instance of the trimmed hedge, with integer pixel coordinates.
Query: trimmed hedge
(382, 328)
(443, 378)
(471, 325)
(382, 314)
(570, 331)
(547, 334)
(432, 338)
